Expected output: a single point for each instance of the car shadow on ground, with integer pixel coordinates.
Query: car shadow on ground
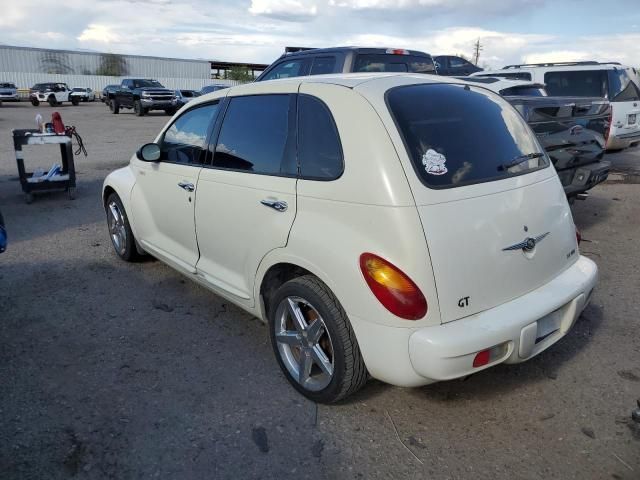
(590, 212)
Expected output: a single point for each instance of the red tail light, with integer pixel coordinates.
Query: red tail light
(397, 51)
(578, 236)
(393, 288)
(607, 127)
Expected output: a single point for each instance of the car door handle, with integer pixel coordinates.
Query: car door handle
(278, 205)
(187, 186)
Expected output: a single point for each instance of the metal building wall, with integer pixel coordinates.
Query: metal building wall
(40, 60)
(25, 80)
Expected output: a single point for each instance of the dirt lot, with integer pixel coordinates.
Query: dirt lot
(127, 371)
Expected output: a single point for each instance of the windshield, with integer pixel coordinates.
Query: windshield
(146, 83)
(78, 90)
(460, 135)
(381, 62)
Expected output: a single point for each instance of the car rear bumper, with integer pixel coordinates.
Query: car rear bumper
(521, 329)
(622, 140)
(584, 178)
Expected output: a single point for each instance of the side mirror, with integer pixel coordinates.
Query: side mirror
(149, 152)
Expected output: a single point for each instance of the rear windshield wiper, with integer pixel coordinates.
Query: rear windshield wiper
(520, 159)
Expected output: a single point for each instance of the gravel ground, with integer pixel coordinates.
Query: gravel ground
(127, 371)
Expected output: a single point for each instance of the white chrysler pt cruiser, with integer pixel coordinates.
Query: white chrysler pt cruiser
(406, 227)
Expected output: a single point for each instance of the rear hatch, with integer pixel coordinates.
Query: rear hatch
(495, 217)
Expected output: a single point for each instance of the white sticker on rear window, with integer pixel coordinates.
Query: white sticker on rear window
(434, 162)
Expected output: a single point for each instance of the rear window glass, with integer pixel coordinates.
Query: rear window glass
(393, 63)
(459, 135)
(577, 83)
(621, 87)
(319, 150)
(7, 85)
(524, 91)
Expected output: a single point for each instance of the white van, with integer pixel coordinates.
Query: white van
(612, 81)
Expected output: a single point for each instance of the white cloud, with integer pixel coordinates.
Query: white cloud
(100, 34)
(284, 9)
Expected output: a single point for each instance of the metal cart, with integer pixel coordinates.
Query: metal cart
(67, 178)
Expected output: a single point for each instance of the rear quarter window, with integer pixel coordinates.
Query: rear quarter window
(319, 149)
(621, 87)
(459, 135)
(381, 62)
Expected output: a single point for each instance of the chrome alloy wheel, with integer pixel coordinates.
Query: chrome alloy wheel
(117, 228)
(304, 343)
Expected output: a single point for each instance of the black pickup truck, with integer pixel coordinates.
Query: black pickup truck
(143, 95)
(573, 131)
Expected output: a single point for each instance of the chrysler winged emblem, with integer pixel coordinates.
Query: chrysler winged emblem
(527, 244)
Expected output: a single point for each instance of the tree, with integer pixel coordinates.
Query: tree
(240, 73)
(477, 48)
(112, 64)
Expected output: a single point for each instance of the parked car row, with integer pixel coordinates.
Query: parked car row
(144, 95)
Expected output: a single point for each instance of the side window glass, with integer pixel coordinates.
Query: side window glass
(292, 68)
(319, 149)
(184, 141)
(457, 62)
(255, 135)
(323, 65)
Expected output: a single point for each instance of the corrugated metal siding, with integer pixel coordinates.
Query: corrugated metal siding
(37, 60)
(98, 82)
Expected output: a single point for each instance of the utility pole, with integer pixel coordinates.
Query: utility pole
(477, 48)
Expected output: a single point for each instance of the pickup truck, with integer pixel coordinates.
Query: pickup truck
(143, 95)
(572, 130)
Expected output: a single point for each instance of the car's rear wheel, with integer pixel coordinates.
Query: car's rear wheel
(119, 229)
(75, 100)
(313, 341)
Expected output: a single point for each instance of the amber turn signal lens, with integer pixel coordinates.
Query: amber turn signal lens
(394, 289)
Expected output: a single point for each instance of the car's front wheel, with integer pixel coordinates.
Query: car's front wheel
(113, 106)
(52, 101)
(138, 108)
(119, 229)
(313, 341)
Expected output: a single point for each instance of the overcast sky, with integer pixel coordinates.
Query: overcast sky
(258, 30)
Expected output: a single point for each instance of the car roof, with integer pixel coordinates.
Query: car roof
(556, 68)
(315, 51)
(377, 81)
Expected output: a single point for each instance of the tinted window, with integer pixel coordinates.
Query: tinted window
(323, 65)
(458, 135)
(381, 62)
(146, 84)
(7, 85)
(254, 135)
(292, 68)
(457, 62)
(524, 91)
(184, 141)
(621, 87)
(319, 150)
(586, 83)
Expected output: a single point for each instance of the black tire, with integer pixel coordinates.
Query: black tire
(138, 108)
(35, 102)
(52, 101)
(170, 111)
(75, 101)
(126, 250)
(114, 107)
(349, 371)
(71, 193)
